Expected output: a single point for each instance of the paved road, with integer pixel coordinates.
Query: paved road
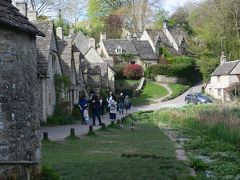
(177, 102)
(58, 133)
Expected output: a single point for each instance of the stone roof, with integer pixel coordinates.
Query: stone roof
(127, 46)
(12, 18)
(225, 68)
(145, 50)
(158, 35)
(81, 42)
(65, 52)
(138, 48)
(44, 45)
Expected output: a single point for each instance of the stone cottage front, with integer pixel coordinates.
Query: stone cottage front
(19, 122)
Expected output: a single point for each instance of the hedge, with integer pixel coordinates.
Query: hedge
(182, 67)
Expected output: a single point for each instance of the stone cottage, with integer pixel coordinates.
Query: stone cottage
(47, 60)
(48, 67)
(171, 38)
(68, 64)
(19, 96)
(226, 74)
(113, 50)
(96, 72)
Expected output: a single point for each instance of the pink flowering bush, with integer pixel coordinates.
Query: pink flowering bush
(133, 71)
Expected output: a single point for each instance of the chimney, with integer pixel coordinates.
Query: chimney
(22, 7)
(32, 15)
(103, 36)
(59, 32)
(92, 42)
(165, 24)
(71, 32)
(222, 58)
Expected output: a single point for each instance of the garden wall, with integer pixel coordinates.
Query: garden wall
(169, 80)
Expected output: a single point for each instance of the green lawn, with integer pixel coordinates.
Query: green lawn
(144, 153)
(177, 90)
(150, 92)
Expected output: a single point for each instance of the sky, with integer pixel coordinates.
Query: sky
(170, 5)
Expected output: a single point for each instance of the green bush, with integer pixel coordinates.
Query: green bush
(182, 67)
(119, 72)
(49, 174)
(76, 114)
(61, 115)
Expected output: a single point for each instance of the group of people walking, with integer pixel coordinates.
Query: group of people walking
(97, 106)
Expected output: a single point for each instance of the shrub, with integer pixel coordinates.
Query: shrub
(76, 113)
(133, 71)
(119, 72)
(182, 67)
(49, 174)
(61, 115)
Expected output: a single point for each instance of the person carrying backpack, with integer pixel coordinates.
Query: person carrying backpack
(113, 108)
(96, 109)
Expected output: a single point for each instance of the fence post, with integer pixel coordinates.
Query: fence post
(90, 128)
(45, 135)
(72, 132)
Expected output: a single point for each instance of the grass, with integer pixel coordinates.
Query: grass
(150, 92)
(177, 89)
(212, 132)
(144, 153)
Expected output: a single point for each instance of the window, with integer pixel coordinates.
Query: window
(53, 62)
(49, 99)
(147, 64)
(132, 62)
(118, 50)
(218, 78)
(219, 92)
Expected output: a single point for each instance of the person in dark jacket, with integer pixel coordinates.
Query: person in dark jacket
(120, 103)
(95, 103)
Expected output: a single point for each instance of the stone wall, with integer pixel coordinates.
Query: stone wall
(169, 80)
(19, 123)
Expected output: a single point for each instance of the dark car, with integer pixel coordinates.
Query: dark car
(197, 98)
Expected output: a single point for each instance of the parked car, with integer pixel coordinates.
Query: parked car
(197, 98)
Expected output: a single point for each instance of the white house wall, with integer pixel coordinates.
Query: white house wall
(146, 37)
(219, 83)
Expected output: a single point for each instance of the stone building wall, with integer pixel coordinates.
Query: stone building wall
(19, 123)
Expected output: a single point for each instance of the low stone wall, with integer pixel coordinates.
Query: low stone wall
(140, 86)
(169, 80)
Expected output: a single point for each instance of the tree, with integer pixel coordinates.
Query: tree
(42, 6)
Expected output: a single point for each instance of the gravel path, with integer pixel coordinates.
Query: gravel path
(59, 133)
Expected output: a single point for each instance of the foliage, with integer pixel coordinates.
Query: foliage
(212, 136)
(182, 67)
(167, 55)
(206, 66)
(102, 157)
(60, 22)
(133, 71)
(119, 72)
(150, 92)
(61, 115)
(49, 174)
(76, 113)
(62, 83)
(127, 57)
(127, 87)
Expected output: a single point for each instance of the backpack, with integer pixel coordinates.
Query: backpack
(112, 105)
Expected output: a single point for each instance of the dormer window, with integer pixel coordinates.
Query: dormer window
(118, 50)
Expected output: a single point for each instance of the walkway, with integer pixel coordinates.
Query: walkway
(59, 133)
